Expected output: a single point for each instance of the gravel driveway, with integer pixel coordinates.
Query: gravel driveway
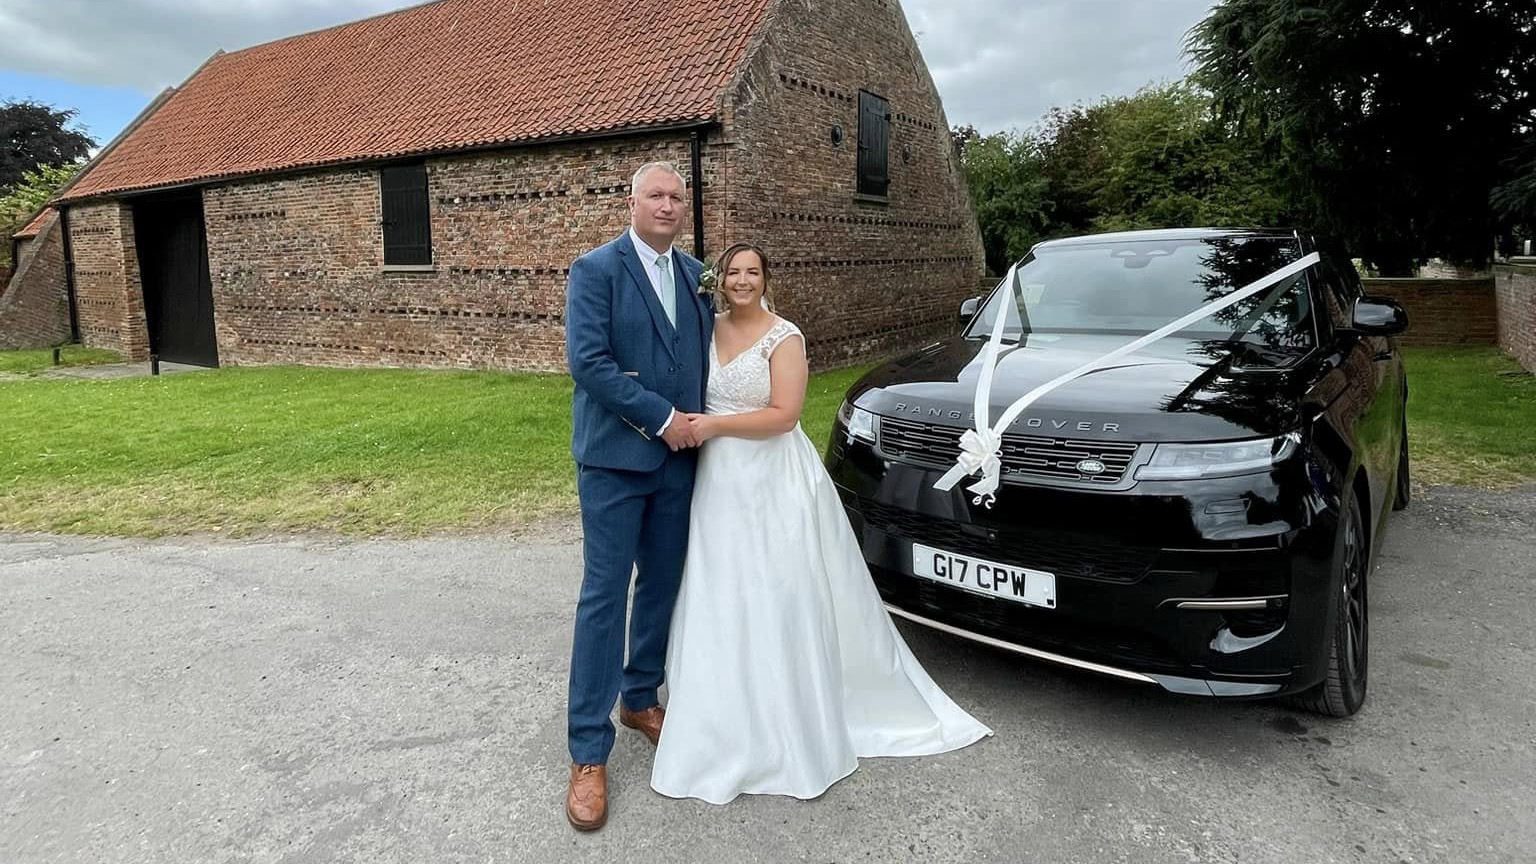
(317, 700)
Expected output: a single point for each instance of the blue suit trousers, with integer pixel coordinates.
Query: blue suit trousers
(634, 522)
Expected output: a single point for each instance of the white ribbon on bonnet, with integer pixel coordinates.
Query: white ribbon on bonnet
(981, 448)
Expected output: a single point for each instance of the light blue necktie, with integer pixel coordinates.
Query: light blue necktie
(668, 288)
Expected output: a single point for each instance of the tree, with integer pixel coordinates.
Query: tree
(1167, 162)
(1515, 200)
(961, 137)
(1159, 158)
(1395, 123)
(1073, 152)
(34, 134)
(1003, 173)
(28, 196)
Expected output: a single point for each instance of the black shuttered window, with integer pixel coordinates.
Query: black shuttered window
(874, 142)
(407, 220)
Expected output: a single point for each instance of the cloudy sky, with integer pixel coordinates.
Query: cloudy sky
(998, 64)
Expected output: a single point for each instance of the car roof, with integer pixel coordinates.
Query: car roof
(1168, 234)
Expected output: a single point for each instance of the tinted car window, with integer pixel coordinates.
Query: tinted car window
(1136, 287)
(1339, 293)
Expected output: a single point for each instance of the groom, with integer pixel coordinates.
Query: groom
(636, 330)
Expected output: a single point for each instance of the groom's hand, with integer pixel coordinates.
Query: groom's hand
(679, 434)
(703, 426)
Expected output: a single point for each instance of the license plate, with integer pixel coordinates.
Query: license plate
(1019, 584)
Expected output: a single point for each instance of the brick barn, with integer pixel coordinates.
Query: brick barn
(410, 189)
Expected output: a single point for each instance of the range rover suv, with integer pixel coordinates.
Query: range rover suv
(1202, 515)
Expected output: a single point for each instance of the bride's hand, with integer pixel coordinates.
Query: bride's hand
(704, 426)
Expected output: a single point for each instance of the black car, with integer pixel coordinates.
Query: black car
(1203, 514)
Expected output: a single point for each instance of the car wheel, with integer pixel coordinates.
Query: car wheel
(1342, 691)
(1404, 491)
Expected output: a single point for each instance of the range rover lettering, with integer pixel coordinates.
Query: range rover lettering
(1202, 514)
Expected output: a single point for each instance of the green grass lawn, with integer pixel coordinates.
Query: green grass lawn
(401, 452)
(290, 449)
(1471, 417)
(32, 362)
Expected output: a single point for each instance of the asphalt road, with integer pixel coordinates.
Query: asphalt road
(317, 700)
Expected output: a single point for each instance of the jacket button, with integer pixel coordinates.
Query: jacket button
(671, 368)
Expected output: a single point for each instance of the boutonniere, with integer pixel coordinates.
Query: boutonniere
(707, 280)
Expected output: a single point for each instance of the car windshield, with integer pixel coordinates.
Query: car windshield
(1135, 287)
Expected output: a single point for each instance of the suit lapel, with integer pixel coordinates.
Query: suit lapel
(664, 328)
(687, 282)
(706, 311)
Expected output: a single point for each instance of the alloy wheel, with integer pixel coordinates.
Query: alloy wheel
(1354, 602)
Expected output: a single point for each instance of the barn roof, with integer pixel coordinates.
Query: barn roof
(442, 76)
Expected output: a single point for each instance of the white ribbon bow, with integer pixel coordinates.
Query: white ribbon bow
(980, 448)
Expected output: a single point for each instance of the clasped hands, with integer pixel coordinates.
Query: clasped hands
(689, 430)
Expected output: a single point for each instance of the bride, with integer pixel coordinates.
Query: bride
(783, 667)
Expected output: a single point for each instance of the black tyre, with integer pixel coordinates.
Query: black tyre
(1342, 692)
(1403, 493)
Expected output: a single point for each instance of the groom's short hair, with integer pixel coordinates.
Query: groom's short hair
(634, 182)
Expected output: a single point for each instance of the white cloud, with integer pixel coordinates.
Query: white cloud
(147, 45)
(1002, 63)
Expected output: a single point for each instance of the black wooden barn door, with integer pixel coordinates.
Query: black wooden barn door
(178, 294)
(874, 142)
(407, 219)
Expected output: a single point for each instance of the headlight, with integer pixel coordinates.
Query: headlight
(1197, 461)
(860, 423)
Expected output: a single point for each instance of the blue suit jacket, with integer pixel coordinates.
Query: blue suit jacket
(630, 370)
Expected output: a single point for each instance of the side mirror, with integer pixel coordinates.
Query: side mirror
(1378, 316)
(968, 308)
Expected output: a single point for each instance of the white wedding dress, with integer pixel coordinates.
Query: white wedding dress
(783, 666)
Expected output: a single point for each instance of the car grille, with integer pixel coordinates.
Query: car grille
(1063, 552)
(1024, 457)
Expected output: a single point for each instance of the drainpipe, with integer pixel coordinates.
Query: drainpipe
(69, 277)
(695, 146)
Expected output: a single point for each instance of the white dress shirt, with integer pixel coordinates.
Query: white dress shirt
(648, 258)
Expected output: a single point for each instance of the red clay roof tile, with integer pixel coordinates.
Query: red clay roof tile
(36, 225)
(447, 75)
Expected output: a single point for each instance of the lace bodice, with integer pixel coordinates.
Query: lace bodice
(742, 384)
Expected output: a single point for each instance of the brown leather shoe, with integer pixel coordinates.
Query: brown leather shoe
(648, 721)
(586, 802)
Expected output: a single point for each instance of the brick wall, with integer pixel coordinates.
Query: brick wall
(1443, 311)
(1515, 295)
(863, 279)
(298, 273)
(108, 296)
(34, 305)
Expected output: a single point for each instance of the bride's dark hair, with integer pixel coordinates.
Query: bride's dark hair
(723, 261)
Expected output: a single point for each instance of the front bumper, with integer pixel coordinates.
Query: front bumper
(1212, 587)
